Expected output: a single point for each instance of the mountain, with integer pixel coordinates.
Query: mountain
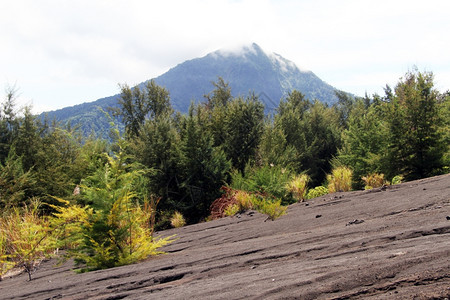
(248, 69)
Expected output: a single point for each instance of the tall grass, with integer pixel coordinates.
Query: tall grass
(297, 186)
(340, 180)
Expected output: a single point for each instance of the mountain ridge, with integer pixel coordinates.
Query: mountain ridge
(248, 69)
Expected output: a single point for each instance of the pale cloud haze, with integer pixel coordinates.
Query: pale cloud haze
(60, 53)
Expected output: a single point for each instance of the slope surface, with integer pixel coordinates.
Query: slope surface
(379, 244)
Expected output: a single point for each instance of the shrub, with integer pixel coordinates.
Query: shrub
(177, 220)
(106, 239)
(219, 205)
(115, 228)
(316, 192)
(234, 201)
(273, 210)
(373, 180)
(26, 239)
(268, 180)
(298, 186)
(340, 180)
(397, 179)
(244, 200)
(231, 210)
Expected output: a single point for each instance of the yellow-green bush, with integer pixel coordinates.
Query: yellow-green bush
(177, 220)
(244, 200)
(273, 210)
(26, 239)
(397, 179)
(297, 186)
(340, 180)
(231, 210)
(316, 192)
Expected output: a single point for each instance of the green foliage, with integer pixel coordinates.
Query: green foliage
(114, 228)
(312, 135)
(416, 145)
(397, 179)
(231, 210)
(317, 192)
(273, 209)
(244, 200)
(364, 142)
(9, 123)
(340, 180)
(139, 103)
(15, 183)
(444, 111)
(204, 167)
(274, 148)
(267, 180)
(243, 124)
(220, 96)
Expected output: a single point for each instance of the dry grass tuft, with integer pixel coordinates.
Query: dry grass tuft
(340, 180)
(177, 220)
(298, 186)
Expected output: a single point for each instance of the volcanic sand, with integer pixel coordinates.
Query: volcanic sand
(391, 243)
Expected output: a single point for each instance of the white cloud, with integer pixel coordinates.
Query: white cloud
(63, 52)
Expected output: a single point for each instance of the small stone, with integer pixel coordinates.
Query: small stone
(318, 216)
(448, 218)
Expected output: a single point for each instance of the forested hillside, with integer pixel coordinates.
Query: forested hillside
(104, 199)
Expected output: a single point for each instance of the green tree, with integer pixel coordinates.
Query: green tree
(204, 167)
(313, 130)
(138, 104)
(158, 148)
(416, 145)
(113, 229)
(243, 125)
(9, 123)
(220, 96)
(364, 142)
(15, 183)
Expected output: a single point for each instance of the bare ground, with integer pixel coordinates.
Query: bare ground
(379, 244)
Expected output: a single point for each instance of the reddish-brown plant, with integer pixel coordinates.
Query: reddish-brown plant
(219, 205)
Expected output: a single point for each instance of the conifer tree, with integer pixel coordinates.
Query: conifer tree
(416, 147)
(204, 167)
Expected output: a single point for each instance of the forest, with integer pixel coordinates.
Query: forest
(101, 201)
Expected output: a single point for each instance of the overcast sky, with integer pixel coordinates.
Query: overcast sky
(60, 53)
